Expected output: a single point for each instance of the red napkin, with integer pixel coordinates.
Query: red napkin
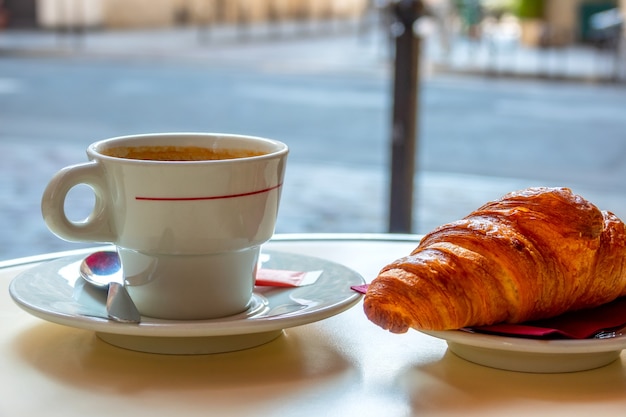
(581, 324)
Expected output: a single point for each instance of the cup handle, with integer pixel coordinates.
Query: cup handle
(98, 226)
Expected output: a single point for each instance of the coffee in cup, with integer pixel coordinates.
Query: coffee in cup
(178, 153)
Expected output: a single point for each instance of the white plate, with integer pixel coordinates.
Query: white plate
(532, 355)
(53, 291)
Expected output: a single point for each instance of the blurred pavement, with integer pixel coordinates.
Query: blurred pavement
(310, 202)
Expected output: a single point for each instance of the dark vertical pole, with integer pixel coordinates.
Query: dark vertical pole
(404, 122)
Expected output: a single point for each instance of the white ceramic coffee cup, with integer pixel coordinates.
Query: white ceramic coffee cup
(188, 232)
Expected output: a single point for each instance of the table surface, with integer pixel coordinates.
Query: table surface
(341, 366)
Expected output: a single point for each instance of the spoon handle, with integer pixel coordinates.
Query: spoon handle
(120, 306)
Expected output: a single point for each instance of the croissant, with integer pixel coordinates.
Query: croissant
(532, 254)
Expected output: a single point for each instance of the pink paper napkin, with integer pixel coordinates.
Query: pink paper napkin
(360, 288)
(282, 278)
(581, 324)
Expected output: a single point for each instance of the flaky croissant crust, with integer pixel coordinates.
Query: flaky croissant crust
(532, 254)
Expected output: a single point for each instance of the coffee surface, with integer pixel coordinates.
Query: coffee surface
(177, 153)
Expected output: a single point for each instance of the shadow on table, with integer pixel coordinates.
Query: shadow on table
(78, 357)
(456, 385)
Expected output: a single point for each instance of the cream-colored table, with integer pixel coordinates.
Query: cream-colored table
(341, 366)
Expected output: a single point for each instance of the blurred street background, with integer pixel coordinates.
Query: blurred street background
(511, 94)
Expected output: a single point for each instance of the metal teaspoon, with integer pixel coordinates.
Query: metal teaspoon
(104, 270)
(610, 334)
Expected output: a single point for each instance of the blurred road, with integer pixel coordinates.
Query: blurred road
(327, 97)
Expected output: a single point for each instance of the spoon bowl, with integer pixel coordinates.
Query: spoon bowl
(103, 269)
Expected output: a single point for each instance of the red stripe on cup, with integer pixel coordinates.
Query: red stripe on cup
(216, 197)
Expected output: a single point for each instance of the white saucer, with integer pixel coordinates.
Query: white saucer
(532, 355)
(53, 291)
